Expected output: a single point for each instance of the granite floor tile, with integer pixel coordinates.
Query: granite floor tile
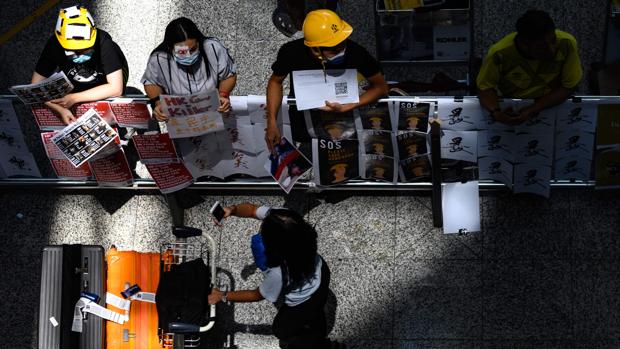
(436, 344)
(254, 60)
(360, 305)
(437, 299)
(596, 300)
(527, 299)
(525, 243)
(598, 344)
(153, 224)
(103, 219)
(360, 343)
(522, 212)
(360, 15)
(358, 227)
(595, 220)
(254, 21)
(214, 18)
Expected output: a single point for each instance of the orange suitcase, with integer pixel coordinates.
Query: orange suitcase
(128, 268)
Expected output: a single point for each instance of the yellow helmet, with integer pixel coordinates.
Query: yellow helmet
(325, 28)
(75, 28)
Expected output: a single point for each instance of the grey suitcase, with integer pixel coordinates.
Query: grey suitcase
(66, 271)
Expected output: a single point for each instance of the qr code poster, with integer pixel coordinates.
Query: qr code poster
(313, 88)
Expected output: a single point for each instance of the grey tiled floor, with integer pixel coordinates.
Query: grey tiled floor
(542, 274)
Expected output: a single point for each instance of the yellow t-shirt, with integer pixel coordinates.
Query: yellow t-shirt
(506, 70)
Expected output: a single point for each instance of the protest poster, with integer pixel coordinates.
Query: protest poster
(533, 179)
(542, 122)
(573, 168)
(573, 115)
(62, 167)
(8, 117)
(415, 168)
(378, 167)
(84, 138)
(533, 148)
(410, 144)
(460, 115)
(374, 117)
(287, 164)
(102, 108)
(412, 116)
(314, 87)
(112, 170)
(192, 115)
(46, 119)
(330, 125)
(55, 86)
(496, 143)
(132, 114)
(15, 163)
(459, 145)
(15, 159)
(574, 143)
(496, 169)
(335, 162)
(154, 148)
(377, 142)
(170, 176)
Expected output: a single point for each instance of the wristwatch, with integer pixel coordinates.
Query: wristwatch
(225, 296)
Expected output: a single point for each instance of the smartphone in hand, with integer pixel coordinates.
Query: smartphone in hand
(218, 212)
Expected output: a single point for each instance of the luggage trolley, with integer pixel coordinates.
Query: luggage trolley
(186, 248)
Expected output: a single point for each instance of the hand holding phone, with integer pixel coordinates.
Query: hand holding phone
(218, 212)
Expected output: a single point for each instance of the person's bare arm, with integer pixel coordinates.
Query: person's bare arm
(113, 88)
(274, 102)
(241, 296)
(226, 87)
(64, 114)
(490, 102)
(153, 91)
(377, 88)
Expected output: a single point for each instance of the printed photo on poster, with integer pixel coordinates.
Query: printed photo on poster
(84, 138)
(62, 167)
(375, 117)
(377, 142)
(335, 162)
(380, 168)
(415, 168)
(287, 164)
(411, 144)
(55, 86)
(413, 116)
(330, 125)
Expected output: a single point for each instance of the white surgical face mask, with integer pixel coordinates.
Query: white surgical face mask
(337, 59)
(183, 55)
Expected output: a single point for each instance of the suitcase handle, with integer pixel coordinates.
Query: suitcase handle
(180, 327)
(186, 232)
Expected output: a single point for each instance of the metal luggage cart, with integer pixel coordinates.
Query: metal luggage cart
(188, 247)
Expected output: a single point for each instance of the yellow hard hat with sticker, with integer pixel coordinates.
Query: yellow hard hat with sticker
(324, 28)
(75, 29)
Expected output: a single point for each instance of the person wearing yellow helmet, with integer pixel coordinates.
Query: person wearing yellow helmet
(87, 55)
(326, 45)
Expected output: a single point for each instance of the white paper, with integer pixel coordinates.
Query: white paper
(532, 179)
(18, 164)
(257, 109)
(496, 144)
(460, 207)
(543, 122)
(577, 116)
(314, 87)
(81, 140)
(459, 145)
(464, 115)
(8, 117)
(496, 169)
(574, 143)
(570, 168)
(533, 149)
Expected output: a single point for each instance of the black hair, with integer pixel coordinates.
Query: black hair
(290, 243)
(178, 30)
(534, 25)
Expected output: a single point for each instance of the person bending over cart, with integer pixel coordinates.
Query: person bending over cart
(296, 277)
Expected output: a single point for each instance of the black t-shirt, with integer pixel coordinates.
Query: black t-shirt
(294, 55)
(107, 58)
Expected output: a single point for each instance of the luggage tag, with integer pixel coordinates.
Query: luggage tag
(88, 304)
(135, 294)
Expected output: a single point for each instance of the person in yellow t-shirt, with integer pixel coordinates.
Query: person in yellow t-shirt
(538, 61)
